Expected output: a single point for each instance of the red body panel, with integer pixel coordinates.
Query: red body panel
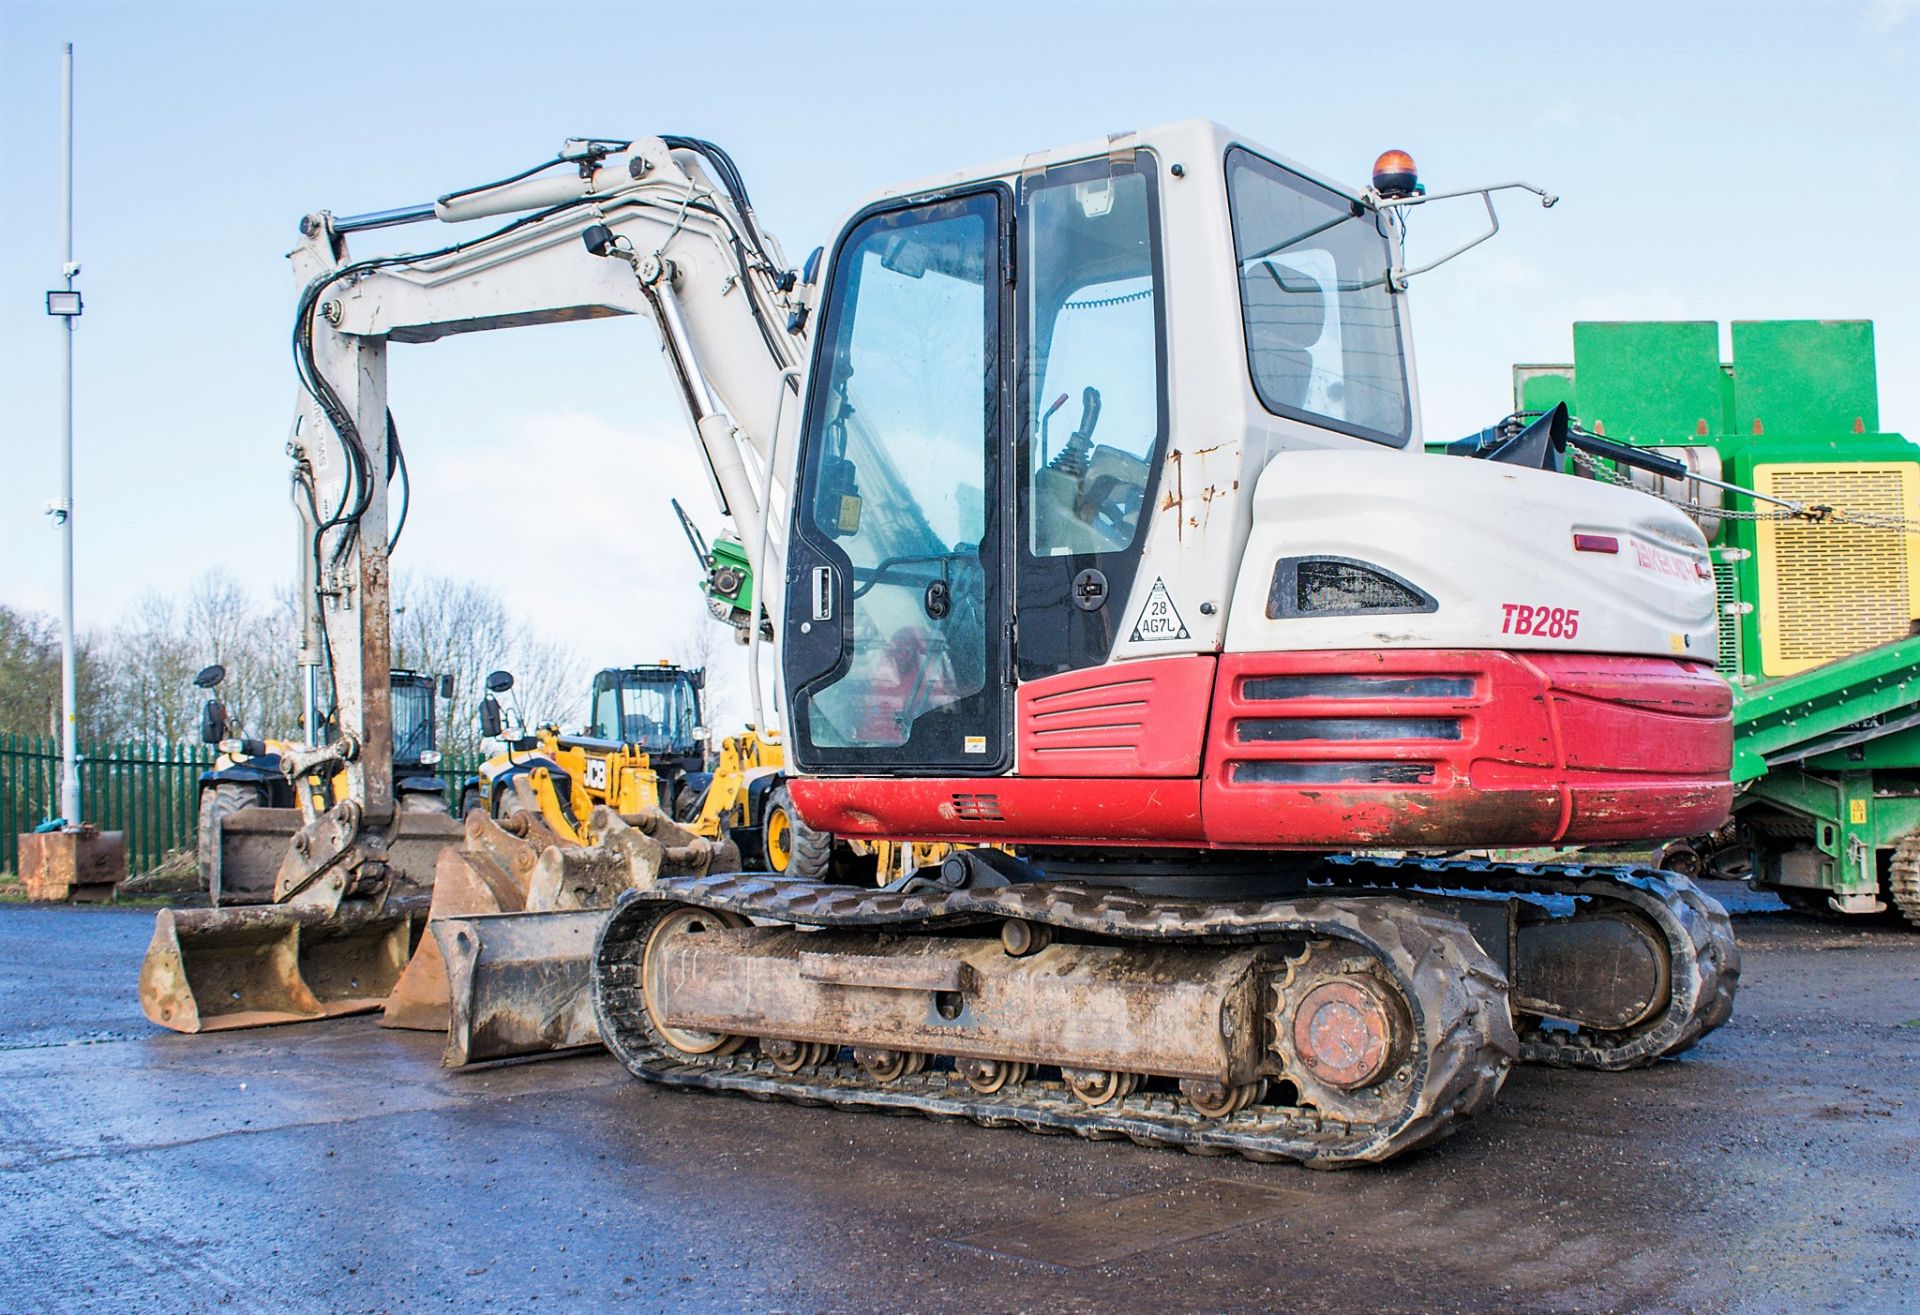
(1129, 719)
(1332, 750)
(1476, 748)
(1016, 809)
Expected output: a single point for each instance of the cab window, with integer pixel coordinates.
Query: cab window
(606, 711)
(1322, 327)
(1093, 387)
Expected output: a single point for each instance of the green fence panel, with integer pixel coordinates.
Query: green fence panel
(149, 792)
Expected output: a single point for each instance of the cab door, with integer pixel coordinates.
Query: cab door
(896, 649)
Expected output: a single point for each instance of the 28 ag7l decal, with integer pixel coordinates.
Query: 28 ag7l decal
(1159, 619)
(1542, 622)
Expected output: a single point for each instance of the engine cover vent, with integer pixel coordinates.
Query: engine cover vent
(1340, 586)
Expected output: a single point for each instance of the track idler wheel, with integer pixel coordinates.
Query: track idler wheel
(683, 921)
(1342, 1032)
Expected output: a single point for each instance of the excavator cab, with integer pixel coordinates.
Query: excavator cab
(1037, 389)
(1049, 531)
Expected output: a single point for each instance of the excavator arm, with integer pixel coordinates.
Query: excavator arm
(672, 245)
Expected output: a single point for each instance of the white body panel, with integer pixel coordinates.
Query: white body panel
(1481, 539)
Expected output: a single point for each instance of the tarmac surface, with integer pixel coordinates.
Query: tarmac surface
(337, 1167)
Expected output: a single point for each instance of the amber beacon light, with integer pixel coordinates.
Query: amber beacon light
(1394, 175)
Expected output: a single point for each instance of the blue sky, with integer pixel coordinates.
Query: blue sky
(1716, 161)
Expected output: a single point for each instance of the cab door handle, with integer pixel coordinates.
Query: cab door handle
(823, 593)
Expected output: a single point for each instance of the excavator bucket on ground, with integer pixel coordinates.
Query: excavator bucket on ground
(208, 970)
(524, 982)
(488, 872)
(515, 911)
(263, 955)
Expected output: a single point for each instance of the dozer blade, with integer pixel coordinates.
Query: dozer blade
(209, 970)
(521, 983)
(487, 874)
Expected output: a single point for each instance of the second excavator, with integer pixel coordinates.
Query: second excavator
(1088, 493)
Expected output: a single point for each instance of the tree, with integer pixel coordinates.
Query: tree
(462, 629)
(29, 673)
(155, 655)
(30, 679)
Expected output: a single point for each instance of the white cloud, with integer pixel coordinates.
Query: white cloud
(1882, 16)
(568, 517)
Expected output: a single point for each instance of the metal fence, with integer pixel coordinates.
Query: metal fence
(149, 791)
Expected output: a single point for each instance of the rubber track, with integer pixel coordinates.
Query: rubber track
(1465, 1037)
(1704, 956)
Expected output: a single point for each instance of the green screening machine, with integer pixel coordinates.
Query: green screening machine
(1818, 605)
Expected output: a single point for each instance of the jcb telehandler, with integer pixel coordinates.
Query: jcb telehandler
(646, 746)
(1221, 654)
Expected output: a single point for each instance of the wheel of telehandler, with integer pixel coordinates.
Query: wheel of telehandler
(217, 802)
(793, 848)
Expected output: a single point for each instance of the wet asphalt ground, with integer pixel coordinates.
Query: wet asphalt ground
(337, 1167)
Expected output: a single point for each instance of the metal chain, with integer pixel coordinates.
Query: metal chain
(1812, 513)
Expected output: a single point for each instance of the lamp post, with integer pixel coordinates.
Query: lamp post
(64, 304)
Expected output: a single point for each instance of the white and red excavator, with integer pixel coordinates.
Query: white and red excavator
(1092, 531)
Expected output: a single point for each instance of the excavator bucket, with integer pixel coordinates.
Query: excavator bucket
(524, 983)
(253, 842)
(207, 970)
(487, 873)
(249, 962)
(518, 982)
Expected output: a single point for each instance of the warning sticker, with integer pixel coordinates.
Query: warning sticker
(1158, 619)
(976, 744)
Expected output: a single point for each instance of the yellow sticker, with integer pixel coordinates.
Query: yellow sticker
(976, 744)
(849, 521)
(1857, 811)
(1678, 643)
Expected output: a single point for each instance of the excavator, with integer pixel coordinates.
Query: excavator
(1210, 679)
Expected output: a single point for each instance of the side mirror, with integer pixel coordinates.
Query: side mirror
(213, 720)
(491, 722)
(699, 677)
(446, 687)
(499, 682)
(210, 676)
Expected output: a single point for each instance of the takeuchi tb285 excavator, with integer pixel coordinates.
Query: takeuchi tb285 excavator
(1089, 497)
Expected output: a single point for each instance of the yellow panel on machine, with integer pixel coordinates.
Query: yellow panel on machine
(1828, 590)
